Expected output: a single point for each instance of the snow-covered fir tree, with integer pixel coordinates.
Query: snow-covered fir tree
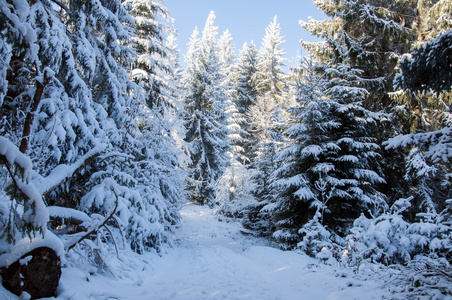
(369, 35)
(304, 159)
(158, 158)
(149, 42)
(235, 186)
(434, 18)
(265, 115)
(270, 79)
(245, 96)
(82, 122)
(226, 55)
(326, 168)
(427, 160)
(205, 101)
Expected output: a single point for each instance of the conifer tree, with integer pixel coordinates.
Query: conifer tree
(271, 95)
(326, 168)
(270, 79)
(206, 119)
(369, 35)
(245, 96)
(157, 159)
(83, 135)
(226, 56)
(266, 118)
(151, 29)
(246, 90)
(427, 169)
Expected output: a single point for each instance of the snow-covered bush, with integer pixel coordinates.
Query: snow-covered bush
(431, 236)
(422, 278)
(383, 239)
(234, 191)
(390, 239)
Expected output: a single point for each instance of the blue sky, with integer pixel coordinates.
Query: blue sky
(245, 19)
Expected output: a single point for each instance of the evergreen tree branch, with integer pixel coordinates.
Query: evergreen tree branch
(96, 228)
(69, 171)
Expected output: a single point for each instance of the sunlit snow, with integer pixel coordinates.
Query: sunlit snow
(214, 260)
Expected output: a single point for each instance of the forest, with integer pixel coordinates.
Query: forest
(106, 134)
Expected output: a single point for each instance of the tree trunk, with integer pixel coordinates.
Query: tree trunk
(38, 273)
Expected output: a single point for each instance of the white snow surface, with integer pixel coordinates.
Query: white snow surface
(213, 260)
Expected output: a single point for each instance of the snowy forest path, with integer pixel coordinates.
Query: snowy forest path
(213, 260)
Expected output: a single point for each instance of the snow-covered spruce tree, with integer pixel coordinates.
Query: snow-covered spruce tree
(48, 108)
(270, 83)
(434, 18)
(226, 55)
(152, 27)
(427, 162)
(245, 95)
(271, 91)
(326, 167)
(121, 180)
(233, 188)
(427, 68)
(83, 108)
(356, 160)
(369, 35)
(270, 79)
(425, 112)
(304, 158)
(205, 117)
(266, 118)
(155, 159)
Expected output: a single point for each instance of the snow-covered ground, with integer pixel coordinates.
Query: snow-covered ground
(213, 260)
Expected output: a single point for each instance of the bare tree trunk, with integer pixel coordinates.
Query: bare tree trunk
(31, 114)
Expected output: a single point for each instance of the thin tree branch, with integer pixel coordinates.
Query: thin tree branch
(60, 4)
(82, 163)
(114, 241)
(95, 229)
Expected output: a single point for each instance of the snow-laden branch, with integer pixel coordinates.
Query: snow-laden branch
(438, 144)
(96, 227)
(35, 211)
(62, 173)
